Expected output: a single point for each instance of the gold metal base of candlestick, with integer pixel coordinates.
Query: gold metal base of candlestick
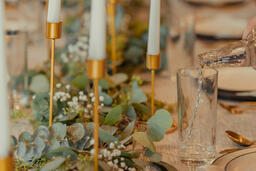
(7, 164)
(153, 62)
(96, 69)
(54, 30)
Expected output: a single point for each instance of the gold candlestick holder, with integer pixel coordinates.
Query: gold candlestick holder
(96, 70)
(153, 63)
(7, 164)
(53, 32)
(112, 31)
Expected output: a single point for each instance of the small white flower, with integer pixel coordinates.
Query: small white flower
(122, 159)
(93, 99)
(122, 164)
(100, 156)
(33, 97)
(111, 145)
(86, 110)
(116, 161)
(81, 93)
(75, 99)
(68, 87)
(91, 94)
(89, 106)
(58, 85)
(101, 98)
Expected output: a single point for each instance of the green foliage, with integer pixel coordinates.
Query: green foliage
(80, 81)
(143, 139)
(59, 130)
(137, 95)
(51, 166)
(76, 132)
(158, 124)
(114, 115)
(41, 107)
(39, 84)
(106, 137)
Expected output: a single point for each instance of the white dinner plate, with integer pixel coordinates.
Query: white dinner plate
(237, 79)
(245, 162)
(222, 161)
(221, 26)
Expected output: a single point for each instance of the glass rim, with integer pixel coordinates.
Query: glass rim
(179, 72)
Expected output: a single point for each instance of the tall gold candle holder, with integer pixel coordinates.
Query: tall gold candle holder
(153, 63)
(96, 70)
(112, 31)
(53, 32)
(7, 164)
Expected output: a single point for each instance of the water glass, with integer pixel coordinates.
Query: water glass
(197, 114)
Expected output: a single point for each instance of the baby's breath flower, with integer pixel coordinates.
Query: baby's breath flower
(122, 164)
(111, 145)
(58, 85)
(91, 94)
(101, 98)
(68, 87)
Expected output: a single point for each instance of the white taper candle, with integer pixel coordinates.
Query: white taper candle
(97, 43)
(154, 28)
(54, 11)
(4, 114)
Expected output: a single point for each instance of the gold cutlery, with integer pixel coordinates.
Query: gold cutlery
(239, 139)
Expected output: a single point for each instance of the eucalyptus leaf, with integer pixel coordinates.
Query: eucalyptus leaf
(158, 124)
(119, 78)
(153, 156)
(59, 130)
(26, 137)
(62, 152)
(14, 140)
(43, 132)
(103, 84)
(80, 81)
(110, 129)
(39, 84)
(40, 146)
(128, 130)
(21, 149)
(137, 95)
(114, 115)
(54, 144)
(107, 99)
(76, 132)
(53, 165)
(106, 137)
(143, 139)
(80, 145)
(41, 107)
(131, 114)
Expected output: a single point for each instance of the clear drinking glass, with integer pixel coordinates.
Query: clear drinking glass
(197, 115)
